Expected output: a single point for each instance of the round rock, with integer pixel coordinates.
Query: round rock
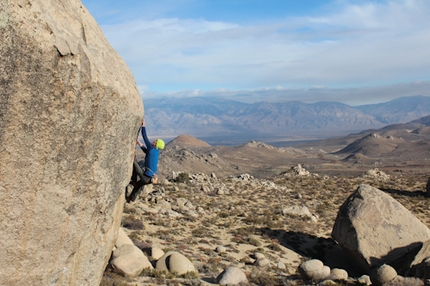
(338, 274)
(231, 276)
(175, 262)
(314, 270)
(383, 274)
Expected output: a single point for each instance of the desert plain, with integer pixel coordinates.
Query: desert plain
(229, 202)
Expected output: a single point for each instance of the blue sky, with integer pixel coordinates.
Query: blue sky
(351, 51)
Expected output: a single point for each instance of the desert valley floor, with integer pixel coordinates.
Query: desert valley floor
(237, 196)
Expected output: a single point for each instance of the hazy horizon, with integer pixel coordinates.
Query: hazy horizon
(351, 51)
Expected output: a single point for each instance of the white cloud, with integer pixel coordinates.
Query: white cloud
(351, 96)
(349, 46)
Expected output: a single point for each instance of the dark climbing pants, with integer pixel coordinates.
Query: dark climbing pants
(144, 180)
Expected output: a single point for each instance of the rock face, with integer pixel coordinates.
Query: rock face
(375, 229)
(69, 116)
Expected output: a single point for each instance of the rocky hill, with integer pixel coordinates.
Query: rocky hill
(187, 141)
(225, 122)
(401, 147)
(403, 109)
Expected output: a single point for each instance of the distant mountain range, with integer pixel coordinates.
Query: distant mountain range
(219, 121)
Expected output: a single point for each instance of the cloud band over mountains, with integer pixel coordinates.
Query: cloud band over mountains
(336, 51)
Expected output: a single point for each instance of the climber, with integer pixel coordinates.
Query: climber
(148, 173)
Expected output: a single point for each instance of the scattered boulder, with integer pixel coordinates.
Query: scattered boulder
(421, 270)
(299, 171)
(255, 144)
(338, 274)
(262, 262)
(173, 261)
(375, 229)
(407, 263)
(129, 260)
(383, 274)
(156, 253)
(231, 276)
(409, 281)
(220, 249)
(376, 174)
(244, 177)
(182, 202)
(300, 211)
(220, 192)
(281, 265)
(314, 270)
(122, 238)
(258, 255)
(364, 280)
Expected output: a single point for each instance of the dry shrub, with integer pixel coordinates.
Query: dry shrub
(258, 277)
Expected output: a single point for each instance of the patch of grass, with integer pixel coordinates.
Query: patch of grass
(190, 275)
(275, 246)
(148, 272)
(114, 279)
(214, 264)
(253, 241)
(200, 232)
(133, 223)
(183, 178)
(258, 277)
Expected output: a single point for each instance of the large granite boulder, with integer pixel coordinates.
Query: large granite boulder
(375, 229)
(69, 116)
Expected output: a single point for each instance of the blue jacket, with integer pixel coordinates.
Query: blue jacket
(151, 158)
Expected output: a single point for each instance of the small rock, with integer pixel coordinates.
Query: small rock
(314, 218)
(156, 253)
(301, 211)
(300, 171)
(338, 274)
(376, 174)
(281, 265)
(192, 213)
(314, 270)
(409, 281)
(327, 282)
(258, 255)
(231, 276)
(220, 192)
(181, 202)
(172, 213)
(262, 262)
(365, 280)
(175, 262)
(206, 189)
(129, 260)
(122, 238)
(383, 274)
